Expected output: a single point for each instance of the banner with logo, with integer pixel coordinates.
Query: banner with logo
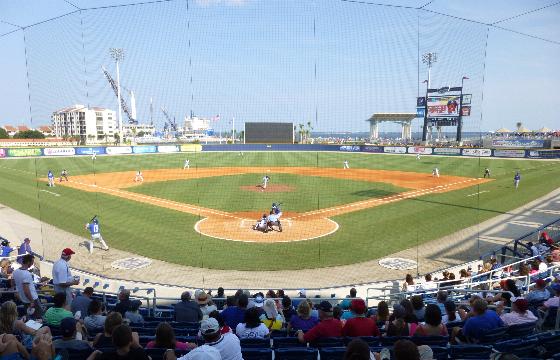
(443, 106)
(191, 147)
(447, 151)
(510, 153)
(24, 152)
(395, 149)
(168, 148)
(351, 148)
(544, 154)
(118, 150)
(372, 149)
(144, 149)
(59, 151)
(419, 150)
(518, 143)
(90, 150)
(2, 153)
(477, 152)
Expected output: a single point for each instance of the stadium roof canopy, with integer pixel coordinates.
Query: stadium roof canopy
(503, 130)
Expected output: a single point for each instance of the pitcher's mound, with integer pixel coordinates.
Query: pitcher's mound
(271, 188)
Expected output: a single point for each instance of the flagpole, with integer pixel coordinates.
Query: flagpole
(233, 131)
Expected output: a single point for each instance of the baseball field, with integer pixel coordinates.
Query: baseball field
(203, 216)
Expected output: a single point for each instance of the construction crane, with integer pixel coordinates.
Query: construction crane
(124, 107)
(170, 124)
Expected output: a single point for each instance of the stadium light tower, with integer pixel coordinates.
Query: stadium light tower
(118, 55)
(429, 59)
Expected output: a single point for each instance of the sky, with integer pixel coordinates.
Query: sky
(332, 63)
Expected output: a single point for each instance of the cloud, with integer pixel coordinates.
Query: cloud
(222, 2)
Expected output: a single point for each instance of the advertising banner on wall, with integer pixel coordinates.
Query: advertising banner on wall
(90, 150)
(117, 150)
(419, 150)
(510, 153)
(372, 149)
(144, 149)
(59, 151)
(191, 147)
(518, 143)
(24, 152)
(447, 151)
(168, 148)
(351, 148)
(544, 154)
(443, 106)
(477, 152)
(395, 149)
(2, 153)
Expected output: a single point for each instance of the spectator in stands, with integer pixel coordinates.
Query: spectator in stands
(24, 248)
(428, 283)
(408, 284)
(271, 318)
(451, 313)
(345, 304)
(10, 348)
(360, 325)
(302, 320)
(534, 250)
(42, 348)
(227, 344)
(328, 327)
(409, 311)
(519, 314)
(95, 320)
(236, 314)
(302, 294)
(124, 302)
(61, 275)
(252, 327)
(463, 274)
(165, 339)
(202, 298)
(105, 339)
(287, 309)
(10, 324)
(357, 349)
(539, 292)
(72, 335)
(133, 312)
(418, 306)
(407, 350)
(396, 325)
(220, 295)
(482, 321)
(441, 298)
(6, 249)
(6, 269)
(258, 302)
(81, 302)
(25, 287)
(433, 325)
(59, 311)
(203, 352)
(553, 301)
(510, 289)
(187, 310)
(382, 312)
(126, 344)
(223, 327)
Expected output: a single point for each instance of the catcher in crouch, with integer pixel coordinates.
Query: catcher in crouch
(262, 224)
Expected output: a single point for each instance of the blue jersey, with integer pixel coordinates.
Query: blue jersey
(6, 250)
(50, 175)
(276, 210)
(517, 177)
(94, 228)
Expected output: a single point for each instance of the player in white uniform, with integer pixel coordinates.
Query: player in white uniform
(139, 176)
(93, 155)
(187, 164)
(435, 172)
(95, 232)
(262, 224)
(265, 181)
(346, 166)
(417, 156)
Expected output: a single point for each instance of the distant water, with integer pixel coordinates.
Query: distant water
(395, 135)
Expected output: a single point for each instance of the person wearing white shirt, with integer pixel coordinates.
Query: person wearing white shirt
(252, 328)
(25, 286)
(62, 277)
(519, 314)
(228, 344)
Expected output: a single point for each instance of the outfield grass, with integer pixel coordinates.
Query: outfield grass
(368, 234)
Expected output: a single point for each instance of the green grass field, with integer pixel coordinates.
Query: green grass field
(168, 235)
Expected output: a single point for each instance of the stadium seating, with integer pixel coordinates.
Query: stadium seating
(470, 352)
(295, 354)
(518, 347)
(256, 353)
(332, 353)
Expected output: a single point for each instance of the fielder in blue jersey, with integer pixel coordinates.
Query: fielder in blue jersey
(95, 231)
(516, 179)
(50, 176)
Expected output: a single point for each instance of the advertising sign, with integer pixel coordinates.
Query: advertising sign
(510, 153)
(349, 148)
(2, 153)
(144, 149)
(447, 151)
(168, 148)
(421, 101)
(443, 122)
(59, 151)
(420, 112)
(466, 111)
(24, 152)
(117, 150)
(443, 106)
(544, 154)
(466, 99)
(191, 147)
(90, 150)
(518, 143)
(477, 152)
(372, 149)
(395, 149)
(419, 150)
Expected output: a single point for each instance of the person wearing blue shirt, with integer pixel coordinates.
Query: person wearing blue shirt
(516, 179)
(95, 231)
(483, 321)
(6, 248)
(50, 176)
(236, 314)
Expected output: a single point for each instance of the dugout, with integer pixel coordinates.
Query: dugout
(269, 133)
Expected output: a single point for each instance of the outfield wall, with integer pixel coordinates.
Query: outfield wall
(189, 148)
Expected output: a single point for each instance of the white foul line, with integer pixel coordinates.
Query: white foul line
(50, 192)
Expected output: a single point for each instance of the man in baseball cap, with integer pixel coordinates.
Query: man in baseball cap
(519, 314)
(69, 341)
(328, 327)
(62, 277)
(227, 344)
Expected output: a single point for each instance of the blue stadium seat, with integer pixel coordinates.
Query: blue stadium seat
(279, 333)
(332, 353)
(470, 352)
(549, 341)
(157, 353)
(391, 340)
(519, 347)
(549, 318)
(255, 343)
(329, 342)
(430, 340)
(453, 324)
(371, 340)
(521, 330)
(144, 339)
(78, 354)
(440, 352)
(286, 342)
(295, 354)
(256, 354)
(493, 336)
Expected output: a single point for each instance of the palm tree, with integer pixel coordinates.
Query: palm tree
(309, 128)
(519, 125)
(301, 132)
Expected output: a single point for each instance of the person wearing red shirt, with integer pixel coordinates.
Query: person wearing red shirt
(327, 327)
(360, 325)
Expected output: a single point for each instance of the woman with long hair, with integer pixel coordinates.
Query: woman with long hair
(433, 325)
(10, 324)
(252, 328)
(397, 326)
(165, 338)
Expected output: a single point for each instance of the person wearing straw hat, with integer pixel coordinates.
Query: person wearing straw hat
(202, 298)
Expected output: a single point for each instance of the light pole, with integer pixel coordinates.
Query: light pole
(429, 59)
(118, 55)
(460, 121)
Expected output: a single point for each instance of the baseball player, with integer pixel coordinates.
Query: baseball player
(139, 176)
(275, 209)
(516, 179)
(262, 224)
(435, 172)
(50, 176)
(486, 173)
(187, 164)
(272, 220)
(95, 232)
(93, 156)
(63, 174)
(265, 181)
(417, 156)
(346, 166)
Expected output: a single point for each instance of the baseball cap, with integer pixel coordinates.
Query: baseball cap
(67, 326)
(358, 306)
(540, 283)
(302, 292)
(325, 306)
(259, 301)
(521, 303)
(68, 252)
(209, 326)
(27, 239)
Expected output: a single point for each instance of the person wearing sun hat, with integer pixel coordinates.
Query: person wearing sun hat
(328, 327)
(519, 314)
(62, 276)
(203, 299)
